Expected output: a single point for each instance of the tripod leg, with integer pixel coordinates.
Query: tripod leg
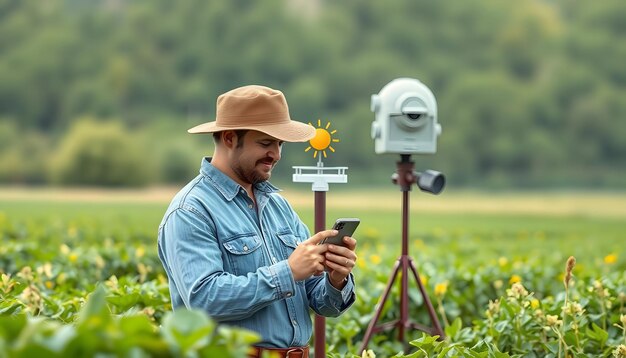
(429, 305)
(379, 309)
(404, 302)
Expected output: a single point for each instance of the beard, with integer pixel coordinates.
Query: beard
(250, 173)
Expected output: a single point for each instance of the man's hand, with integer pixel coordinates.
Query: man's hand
(340, 262)
(308, 258)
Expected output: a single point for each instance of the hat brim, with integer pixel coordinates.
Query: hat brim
(289, 132)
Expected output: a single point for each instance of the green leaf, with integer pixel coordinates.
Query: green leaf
(445, 351)
(11, 326)
(95, 311)
(597, 334)
(213, 351)
(424, 340)
(10, 306)
(61, 337)
(453, 329)
(35, 350)
(125, 302)
(552, 346)
(237, 336)
(497, 354)
(348, 329)
(501, 326)
(136, 325)
(185, 330)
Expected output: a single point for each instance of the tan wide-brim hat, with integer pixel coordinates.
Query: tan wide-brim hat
(256, 108)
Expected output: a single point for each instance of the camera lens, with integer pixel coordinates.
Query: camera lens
(414, 115)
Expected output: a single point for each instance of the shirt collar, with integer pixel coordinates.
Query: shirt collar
(226, 185)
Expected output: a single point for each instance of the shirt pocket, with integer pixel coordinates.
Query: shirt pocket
(288, 242)
(243, 254)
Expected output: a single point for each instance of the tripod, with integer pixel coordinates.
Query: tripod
(433, 182)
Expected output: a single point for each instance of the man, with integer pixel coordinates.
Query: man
(231, 245)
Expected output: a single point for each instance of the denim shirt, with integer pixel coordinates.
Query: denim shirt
(226, 256)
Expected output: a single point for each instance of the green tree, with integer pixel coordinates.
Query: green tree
(148, 61)
(100, 153)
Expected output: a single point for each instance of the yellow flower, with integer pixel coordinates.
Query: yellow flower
(371, 232)
(140, 251)
(112, 282)
(573, 308)
(441, 288)
(418, 243)
(610, 259)
(72, 231)
(61, 278)
(46, 269)
(517, 291)
(6, 284)
(65, 250)
(162, 279)
(502, 261)
(368, 354)
(375, 259)
(494, 307)
(149, 311)
(424, 280)
(534, 303)
(620, 351)
(439, 232)
(49, 285)
(143, 271)
(73, 257)
(515, 279)
(553, 320)
(100, 263)
(26, 273)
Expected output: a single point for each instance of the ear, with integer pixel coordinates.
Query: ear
(229, 138)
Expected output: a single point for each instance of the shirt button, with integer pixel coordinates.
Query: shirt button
(288, 294)
(250, 206)
(245, 248)
(295, 323)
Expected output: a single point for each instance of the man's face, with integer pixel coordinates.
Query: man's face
(254, 157)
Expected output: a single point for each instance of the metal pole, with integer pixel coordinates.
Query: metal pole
(405, 178)
(404, 283)
(320, 321)
(436, 330)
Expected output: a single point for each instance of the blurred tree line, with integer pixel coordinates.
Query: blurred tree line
(530, 93)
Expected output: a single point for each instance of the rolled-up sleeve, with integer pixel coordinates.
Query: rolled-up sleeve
(191, 254)
(328, 301)
(324, 298)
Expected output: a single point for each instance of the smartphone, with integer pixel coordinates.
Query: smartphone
(346, 227)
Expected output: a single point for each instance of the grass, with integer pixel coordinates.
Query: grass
(504, 224)
(581, 214)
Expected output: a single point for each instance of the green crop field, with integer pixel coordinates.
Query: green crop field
(80, 276)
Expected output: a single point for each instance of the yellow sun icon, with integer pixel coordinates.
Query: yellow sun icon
(322, 140)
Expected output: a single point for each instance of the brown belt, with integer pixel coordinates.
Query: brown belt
(292, 352)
